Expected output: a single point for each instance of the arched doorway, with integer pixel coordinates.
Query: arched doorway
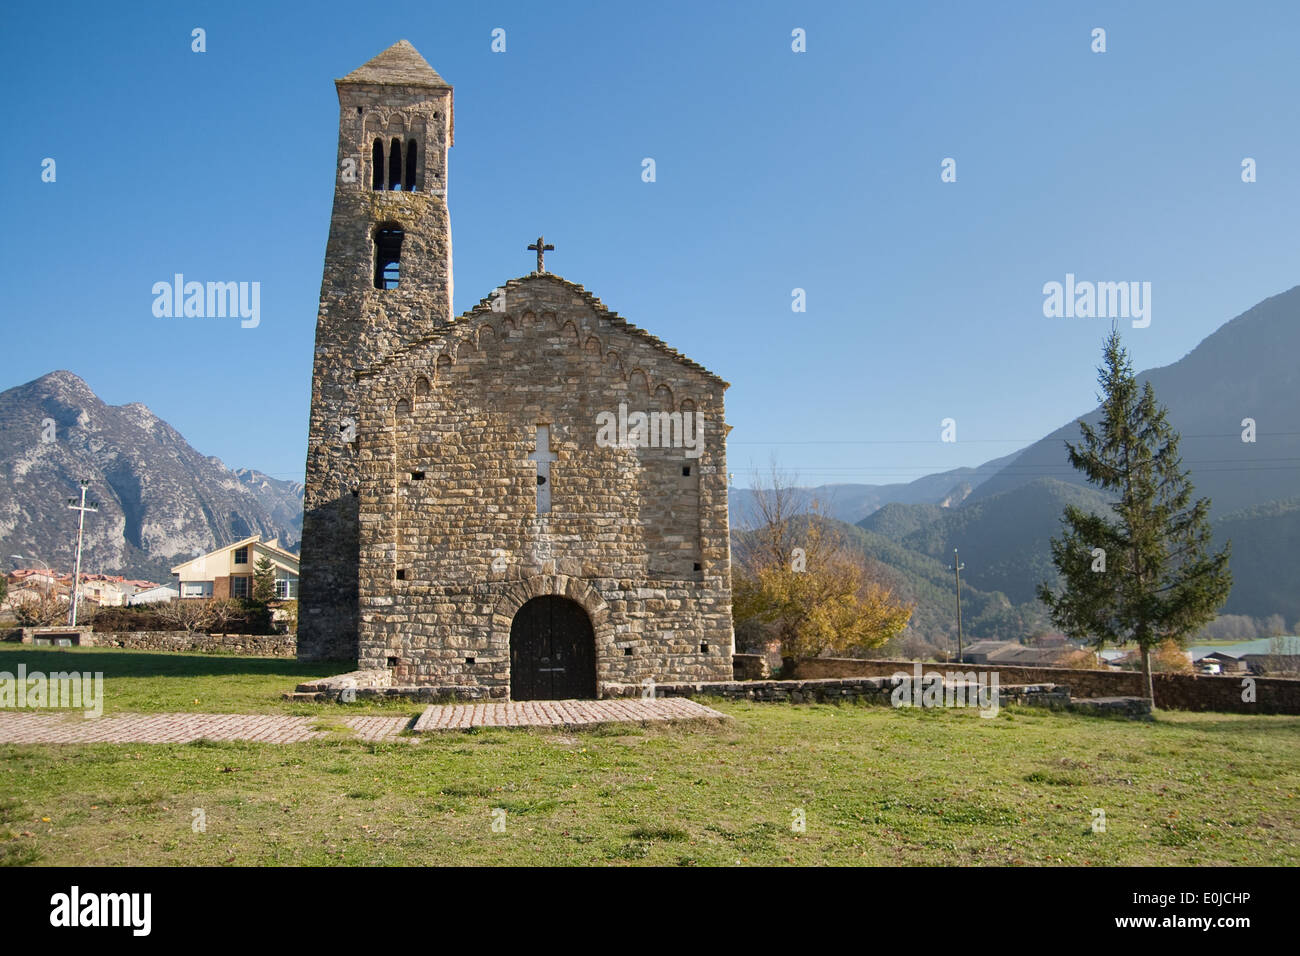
(552, 651)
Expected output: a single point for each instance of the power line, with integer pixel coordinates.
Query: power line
(967, 441)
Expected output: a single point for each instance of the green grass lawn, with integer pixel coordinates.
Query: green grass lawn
(875, 785)
(170, 682)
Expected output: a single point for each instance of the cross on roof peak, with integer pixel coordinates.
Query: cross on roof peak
(541, 247)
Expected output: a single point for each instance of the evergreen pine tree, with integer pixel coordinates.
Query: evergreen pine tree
(1145, 575)
(264, 580)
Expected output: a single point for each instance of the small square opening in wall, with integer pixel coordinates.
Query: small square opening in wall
(393, 662)
(417, 476)
(697, 565)
(704, 648)
(401, 574)
(686, 471)
(469, 660)
(627, 652)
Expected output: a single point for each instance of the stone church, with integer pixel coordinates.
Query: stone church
(528, 500)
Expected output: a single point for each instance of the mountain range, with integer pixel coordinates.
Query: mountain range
(160, 501)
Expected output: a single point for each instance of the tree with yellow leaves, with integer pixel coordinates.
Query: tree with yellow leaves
(796, 579)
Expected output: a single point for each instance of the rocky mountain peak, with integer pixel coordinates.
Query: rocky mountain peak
(159, 498)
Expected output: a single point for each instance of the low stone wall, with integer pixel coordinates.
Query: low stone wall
(870, 689)
(874, 690)
(1134, 708)
(376, 684)
(1273, 695)
(254, 645)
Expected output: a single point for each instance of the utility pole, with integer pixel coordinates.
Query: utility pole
(956, 570)
(81, 526)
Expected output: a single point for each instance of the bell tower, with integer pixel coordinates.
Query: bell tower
(387, 280)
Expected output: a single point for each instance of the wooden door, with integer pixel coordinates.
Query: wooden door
(552, 651)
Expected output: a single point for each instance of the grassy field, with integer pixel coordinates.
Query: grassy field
(875, 786)
(168, 682)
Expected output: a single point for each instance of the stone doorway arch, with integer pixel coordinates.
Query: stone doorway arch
(574, 590)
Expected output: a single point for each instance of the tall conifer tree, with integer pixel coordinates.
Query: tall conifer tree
(1145, 575)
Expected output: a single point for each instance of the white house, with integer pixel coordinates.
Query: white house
(228, 571)
(158, 594)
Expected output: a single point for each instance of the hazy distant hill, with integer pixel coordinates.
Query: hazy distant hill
(1003, 544)
(159, 498)
(929, 582)
(1002, 540)
(1265, 545)
(851, 503)
(1246, 369)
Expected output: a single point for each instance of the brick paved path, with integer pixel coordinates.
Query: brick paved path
(18, 727)
(560, 713)
(61, 727)
(376, 729)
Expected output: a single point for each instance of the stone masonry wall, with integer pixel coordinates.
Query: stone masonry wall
(872, 690)
(448, 496)
(358, 324)
(1273, 695)
(253, 645)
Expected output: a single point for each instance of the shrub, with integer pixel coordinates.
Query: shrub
(218, 616)
(1170, 659)
(144, 617)
(43, 611)
(1080, 659)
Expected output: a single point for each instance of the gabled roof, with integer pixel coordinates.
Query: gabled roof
(1029, 656)
(251, 541)
(274, 547)
(484, 309)
(983, 646)
(399, 65)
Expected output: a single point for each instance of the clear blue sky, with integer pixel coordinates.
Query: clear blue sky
(776, 170)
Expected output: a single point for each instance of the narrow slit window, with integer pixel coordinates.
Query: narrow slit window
(395, 164)
(377, 165)
(411, 150)
(388, 257)
(543, 456)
